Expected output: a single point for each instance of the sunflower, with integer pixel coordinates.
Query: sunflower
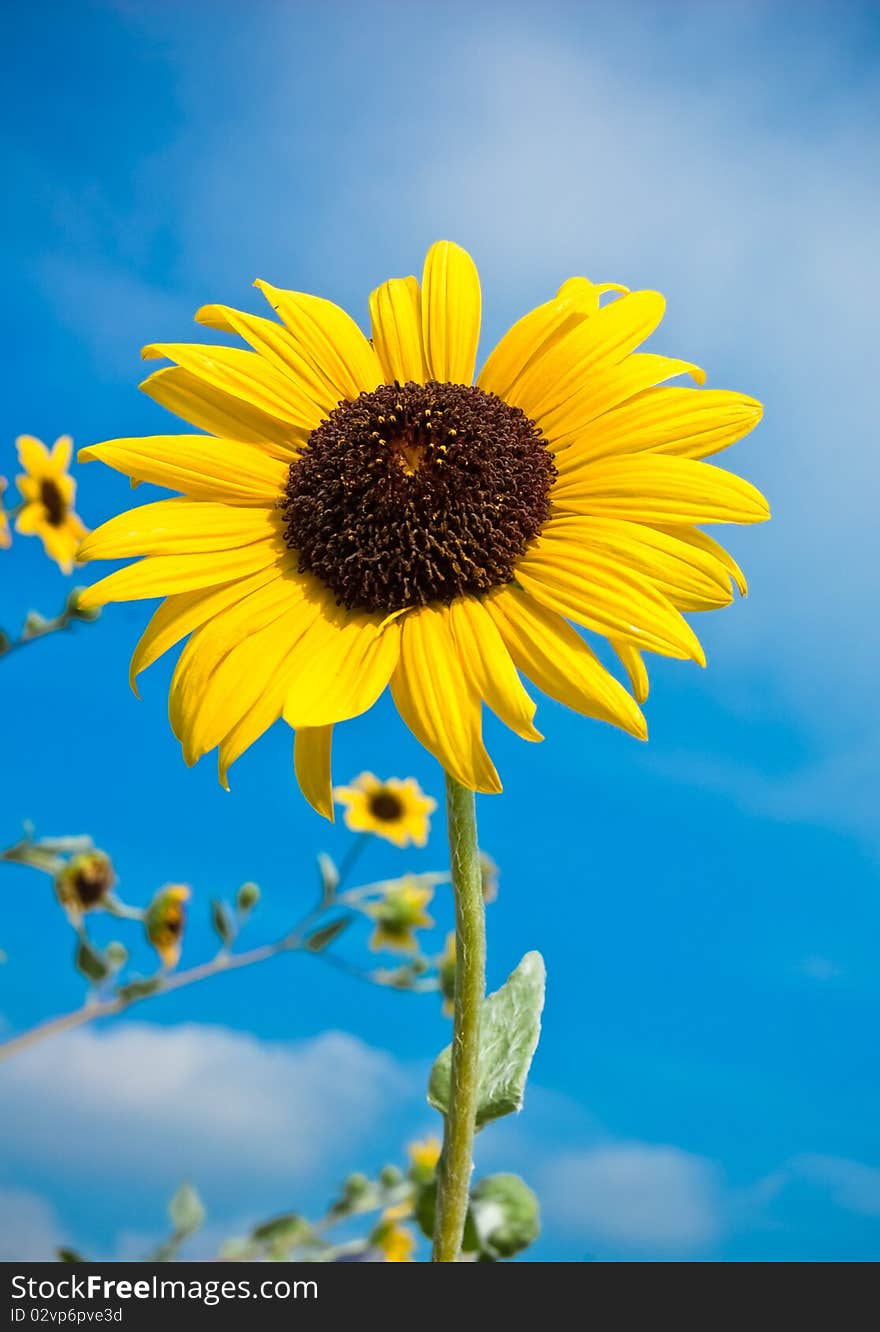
(363, 514)
(395, 809)
(5, 536)
(48, 491)
(396, 1242)
(164, 922)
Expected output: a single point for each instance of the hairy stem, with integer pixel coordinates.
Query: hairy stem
(456, 1161)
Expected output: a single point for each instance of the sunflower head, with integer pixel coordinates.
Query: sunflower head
(85, 881)
(364, 513)
(396, 810)
(48, 491)
(446, 973)
(164, 922)
(399, 913)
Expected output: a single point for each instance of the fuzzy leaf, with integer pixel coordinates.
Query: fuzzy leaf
(324, 936)
(186, 1210)
(91, 962)
(510, 1027)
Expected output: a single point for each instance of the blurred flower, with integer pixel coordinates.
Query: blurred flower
(164, 921)
(48, 491)
(85, 881)
(446, 973)
(399, 914)
(5, 536)
(396, 1242)
(423, 1158)
(397, 810)
(446, 529)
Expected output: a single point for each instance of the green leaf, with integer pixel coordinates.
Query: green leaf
(222, 922)
(281, 1233)
(321, 938)
(138, 989)
(186, 1210)
(69, 1256)
(91, 962)
(510, 1027)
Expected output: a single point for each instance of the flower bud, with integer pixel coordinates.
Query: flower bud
(164, 922)
(85, 881)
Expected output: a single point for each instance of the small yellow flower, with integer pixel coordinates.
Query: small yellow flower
(398, 1243)
(423, 1157)
(48, 491)
(164, 922)
(446, 974)
(399, 914)
(397, 810)
(85, 881)
(5, 536)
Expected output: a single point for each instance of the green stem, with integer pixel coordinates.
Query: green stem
(456, 1161)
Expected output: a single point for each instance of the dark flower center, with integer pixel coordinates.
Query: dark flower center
(53, 502)
(417, 493)
(386, 806)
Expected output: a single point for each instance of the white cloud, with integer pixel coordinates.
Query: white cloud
(635, 1196)
(141, 1102)
(853, 1186)
(29, 1229)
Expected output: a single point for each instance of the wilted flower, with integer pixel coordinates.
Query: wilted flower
(164, 921)
(369, 513)
(399, 913)
(397, 810)
(48, 491)
(85, 881)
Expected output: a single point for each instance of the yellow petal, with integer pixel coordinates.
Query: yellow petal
(62, 451)
(244, 375)
(190, 706)
(206, 406)
(694, 537)
(311, 761)
(607, 388)
(202, 467)
(179, 615)
(557, 659)
(396, 320)
(437, 700)
(329, 339)
(634, 665)
(33, 454)
(450, 313)
(487, 663)
(532, 336)
(278, 346)
(683, 422)
(160, 575)
(605, 338)
(181, 527)
(590, 587)
(652, 488)
(344, 664)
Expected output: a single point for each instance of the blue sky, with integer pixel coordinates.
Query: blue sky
(706, 1085)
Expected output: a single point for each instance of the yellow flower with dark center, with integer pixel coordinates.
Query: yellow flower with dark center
(164, 922)
(398, 915)
(48, 491)
(5, 535)
(85, 881)
(395, 809)
(364, 514)
(396, 1242)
